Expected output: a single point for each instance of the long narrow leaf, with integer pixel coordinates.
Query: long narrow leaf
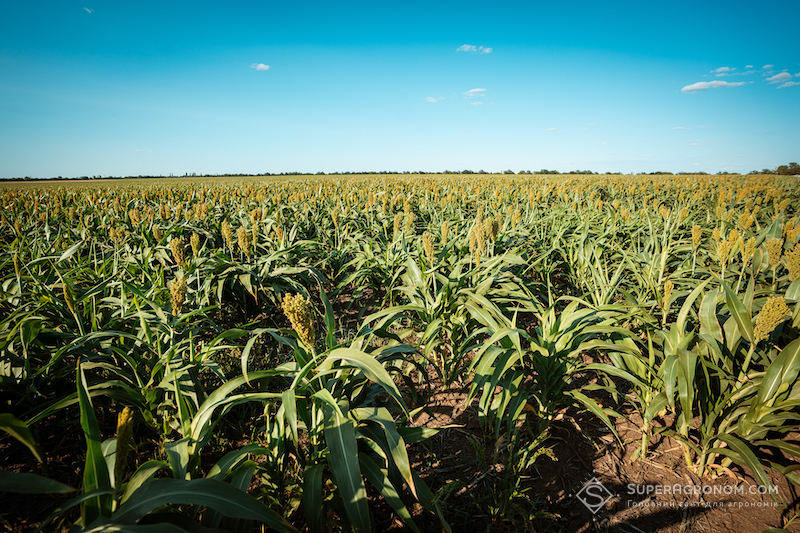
(95, 473)
(212, 493)
(19, 430)
(30, 484)
(340, 436)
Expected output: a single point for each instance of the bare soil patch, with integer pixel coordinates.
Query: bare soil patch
(467, 467)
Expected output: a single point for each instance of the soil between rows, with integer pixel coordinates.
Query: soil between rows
(657, 494)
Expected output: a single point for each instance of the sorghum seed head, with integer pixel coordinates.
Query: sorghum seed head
(398, 221)
(774, 250)
(723, 251)
(124, 438)
(668, 286)
(748, 250)
(697, 234)
(772, 313)
(298, 310)
(176, 246)
(244, 240)
(427, 245)
(227, 234)
(792, 261)
(410, 219)
(493, 228)
(194, 240)
(177, 292)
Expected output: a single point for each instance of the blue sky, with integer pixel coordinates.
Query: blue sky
(118, 88)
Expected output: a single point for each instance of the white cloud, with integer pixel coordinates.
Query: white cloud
(703, 85)
(550, 129)
(722, 69)
(748, 66)
(259, 66)
(472, 93)
(474, 49)
(768, 66)
(777, 78)
(678, 128)
(433, 99)
(88, 10)
(788, 84)
(477, 103)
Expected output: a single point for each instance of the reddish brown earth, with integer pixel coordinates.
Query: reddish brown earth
(585, 450)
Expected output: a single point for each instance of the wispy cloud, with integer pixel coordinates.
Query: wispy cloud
(788, 84)
(474, 49)
(778, 78)
(550, 129)
(433, 99)
(678, 128)
(477, 103)
(472, 93)
(748, 66)
(259, 66)
(88, 10)
(716, 84)
(722, 71)
(768, 66)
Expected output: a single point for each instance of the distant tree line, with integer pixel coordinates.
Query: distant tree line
(792, 169)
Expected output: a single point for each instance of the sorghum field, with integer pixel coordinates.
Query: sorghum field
(383, 352)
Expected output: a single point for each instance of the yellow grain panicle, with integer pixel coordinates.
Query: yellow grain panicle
(124, 438)
(177, 292)
(772, 313)
(194, 240)
(697, 235)
(792, 261)
(176, 246)
(244, 240)
(427, 245)
(774, 250)
(299, 312)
